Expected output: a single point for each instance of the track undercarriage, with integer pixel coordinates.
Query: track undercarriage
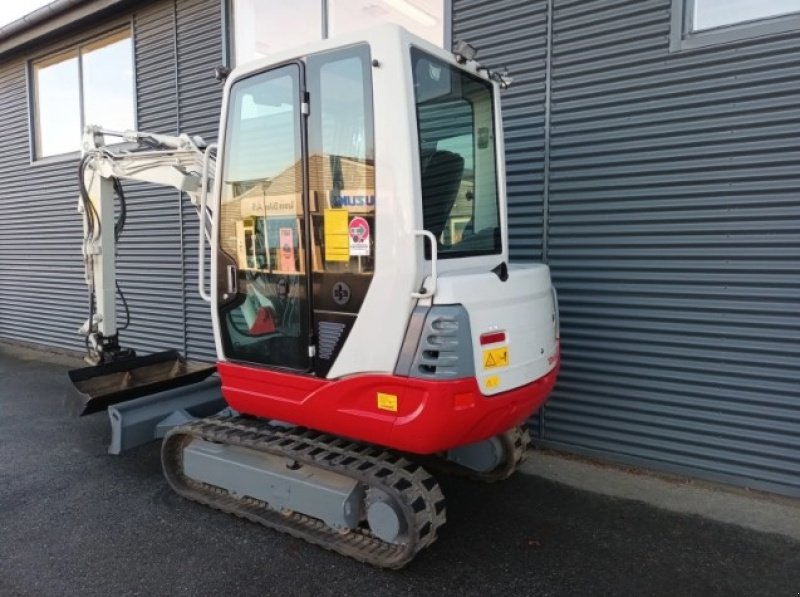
(359, 500)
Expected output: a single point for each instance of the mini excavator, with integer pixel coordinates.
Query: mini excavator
(369, 328)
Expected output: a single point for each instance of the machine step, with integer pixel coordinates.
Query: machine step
(399, 506)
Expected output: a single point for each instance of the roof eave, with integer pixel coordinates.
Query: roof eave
(57, 16)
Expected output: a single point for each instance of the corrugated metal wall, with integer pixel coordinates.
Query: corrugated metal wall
(512, 33)
(42, 294)
(673, 237)
(674, 242)
(200, 48)
(149, 259)
(41, 297)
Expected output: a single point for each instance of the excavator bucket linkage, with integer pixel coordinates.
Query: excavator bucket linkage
(96, 388)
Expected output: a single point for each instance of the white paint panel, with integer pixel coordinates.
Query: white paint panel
(522, 307)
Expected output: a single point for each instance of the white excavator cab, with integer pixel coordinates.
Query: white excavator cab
(358, 179)
(367, 320)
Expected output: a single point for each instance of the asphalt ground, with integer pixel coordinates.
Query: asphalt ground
(76, 521)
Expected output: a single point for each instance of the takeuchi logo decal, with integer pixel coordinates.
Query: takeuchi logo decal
(353, 201)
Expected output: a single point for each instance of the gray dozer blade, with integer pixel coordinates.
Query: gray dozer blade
(96, 388)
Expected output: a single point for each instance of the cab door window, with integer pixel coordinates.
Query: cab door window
(264, 312)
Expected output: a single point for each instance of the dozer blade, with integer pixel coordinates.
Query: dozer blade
(96, 388)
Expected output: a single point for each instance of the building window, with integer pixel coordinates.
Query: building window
(708, 14)
(263, 27)
(702, 23)
(92, 83)
(422, 17)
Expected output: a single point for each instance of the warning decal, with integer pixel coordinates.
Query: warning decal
(387, 402)
(359, 237)
(492, 382)
(336, 234)
(495, 357)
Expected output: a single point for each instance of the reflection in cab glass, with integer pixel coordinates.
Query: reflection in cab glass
(266, 314)
(342, 199)
(262, 223)
(342, 164)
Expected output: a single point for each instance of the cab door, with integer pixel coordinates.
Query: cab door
(342, 198)
(263, 274)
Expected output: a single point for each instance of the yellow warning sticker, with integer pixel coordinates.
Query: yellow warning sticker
(495, 357)
(387, 402)
(336, 231)
(492, 382)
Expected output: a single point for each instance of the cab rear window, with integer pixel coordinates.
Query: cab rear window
(455, 123)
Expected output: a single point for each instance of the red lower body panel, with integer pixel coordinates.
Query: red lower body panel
(407, 414)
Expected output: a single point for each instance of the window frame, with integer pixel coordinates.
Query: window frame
(683, 38)
(30, 82)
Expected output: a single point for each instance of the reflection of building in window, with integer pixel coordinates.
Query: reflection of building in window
(338, 181)
(92, 83)
(259, 209)
(708, 14)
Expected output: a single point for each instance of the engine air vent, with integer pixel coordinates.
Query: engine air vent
(444, 349)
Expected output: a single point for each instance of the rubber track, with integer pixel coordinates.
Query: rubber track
(515, 442)
(410, 486)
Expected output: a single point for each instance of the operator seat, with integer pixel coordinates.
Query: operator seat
(441, 178)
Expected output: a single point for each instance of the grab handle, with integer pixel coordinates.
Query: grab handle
(203, 233)
(425, 293)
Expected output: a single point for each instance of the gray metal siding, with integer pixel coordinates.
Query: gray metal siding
(42, 293)
(199, 45)
(149, 258)
(673, 219)
(511, 33)
(673, 241)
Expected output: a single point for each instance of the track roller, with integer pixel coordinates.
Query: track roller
(489, 461)
(355, 499)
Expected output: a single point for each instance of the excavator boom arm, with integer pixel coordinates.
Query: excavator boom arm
(182, 162)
